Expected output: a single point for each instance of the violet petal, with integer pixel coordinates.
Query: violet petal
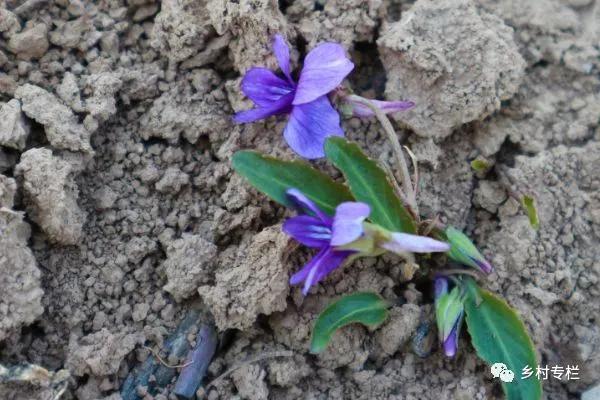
(318, 268)
(451, 341)
(440, 287)
(307, 205)
(301, 275)
(451, 344)
(405, 242)
(263, 87)
(280, 106)
(348, 222)
(308, 230)
(483, 264)
(282, 53)
(309, 126)
(325, 67)
(333, 261)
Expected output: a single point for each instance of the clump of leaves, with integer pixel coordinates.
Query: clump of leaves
(372, 212)
(496, 331)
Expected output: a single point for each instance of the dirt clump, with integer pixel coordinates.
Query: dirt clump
(455, 61)
(62, 127)
(30, 43)
(21, 303)
(256, 282)
(189, 264)
(52, 194)
(120, 211)
(14, 129)
(100, 353)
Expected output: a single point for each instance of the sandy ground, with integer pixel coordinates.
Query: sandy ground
(120, 213)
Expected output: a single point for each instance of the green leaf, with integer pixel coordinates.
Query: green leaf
(480, 165)
(274, 177)
(499, 336)
(370, 184)
(531, 209)
(366, 308)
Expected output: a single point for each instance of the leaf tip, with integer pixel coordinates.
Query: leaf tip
(480, 165)
(316, 348)
(529, 204)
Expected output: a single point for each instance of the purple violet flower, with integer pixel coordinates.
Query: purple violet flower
(449, 311)
(312, 117)
(344, 235)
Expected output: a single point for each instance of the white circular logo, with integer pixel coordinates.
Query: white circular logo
(497, 368)
(507, 376)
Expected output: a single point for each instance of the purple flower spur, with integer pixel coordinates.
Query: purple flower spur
(344, 235)
(312, 117)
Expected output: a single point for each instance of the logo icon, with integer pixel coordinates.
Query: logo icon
(500, 370)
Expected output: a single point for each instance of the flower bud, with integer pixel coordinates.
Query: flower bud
(449, 313)
(464, 251)
(356, 106)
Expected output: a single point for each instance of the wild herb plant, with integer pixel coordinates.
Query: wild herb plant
(370, 213)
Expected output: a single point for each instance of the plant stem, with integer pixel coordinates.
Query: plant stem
(450, 272)
(400, 159)
(393, 179)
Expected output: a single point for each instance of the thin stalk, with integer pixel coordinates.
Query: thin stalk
(456, 271)
(415, 164)
(400, 159)
(434, 223)
(393, 179)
